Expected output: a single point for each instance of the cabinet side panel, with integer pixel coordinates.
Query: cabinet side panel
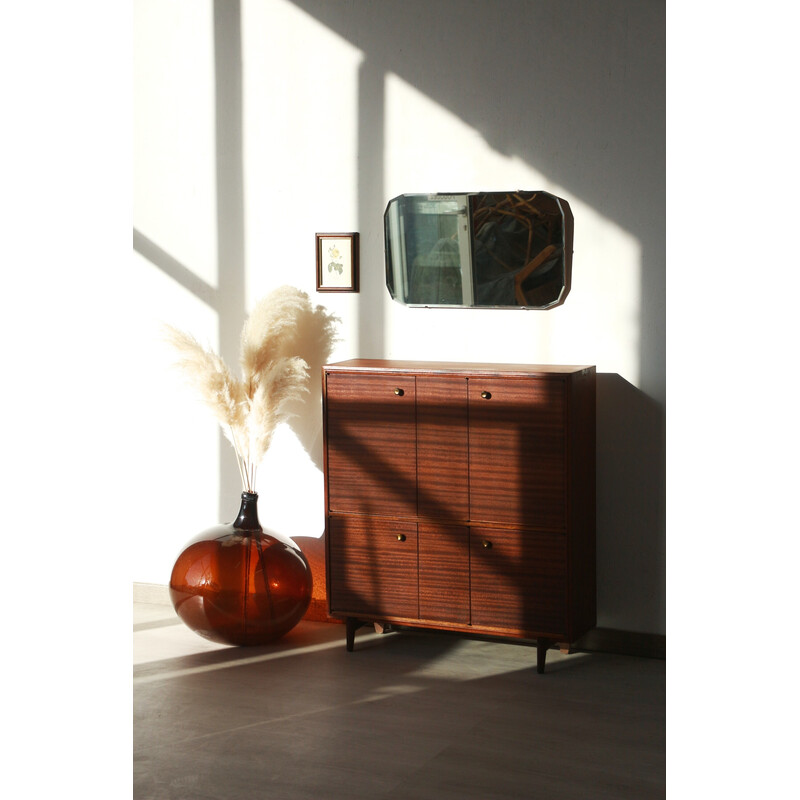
(582, 502)
(516, 452)
(442, 447)
(518, 581)
(373, 567)
(444, 573)
(371, 444)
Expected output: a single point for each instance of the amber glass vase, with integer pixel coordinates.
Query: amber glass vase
(240, 584)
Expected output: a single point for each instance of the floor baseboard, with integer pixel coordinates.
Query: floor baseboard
(624, 643)
(151, 593)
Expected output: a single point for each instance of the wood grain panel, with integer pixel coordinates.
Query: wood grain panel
(444, 573)
(371, 444)
(516, 451)
(519, 581)
(372, 571)
(442, 447)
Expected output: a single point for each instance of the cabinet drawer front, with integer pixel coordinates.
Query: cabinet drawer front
(373, 567)
(371, 444)
(518, 580)
(517, 451)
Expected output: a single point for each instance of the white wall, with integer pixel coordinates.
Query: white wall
(260, 123)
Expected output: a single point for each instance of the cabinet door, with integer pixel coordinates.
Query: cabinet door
(518, 581)
(516, 451)
(373, 567)
(442, 447)
(371, 444)
(444, 573)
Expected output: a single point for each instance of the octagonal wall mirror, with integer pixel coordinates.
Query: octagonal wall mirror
(479, 250)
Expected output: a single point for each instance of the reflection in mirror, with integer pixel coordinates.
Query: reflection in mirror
(479, 249)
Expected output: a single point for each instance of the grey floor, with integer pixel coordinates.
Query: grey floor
(407, 715)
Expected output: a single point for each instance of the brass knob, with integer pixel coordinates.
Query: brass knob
(486, 395)
(401, 537)
(398, 392)
(487, 544)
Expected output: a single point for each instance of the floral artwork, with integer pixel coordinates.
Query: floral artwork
(337, 262)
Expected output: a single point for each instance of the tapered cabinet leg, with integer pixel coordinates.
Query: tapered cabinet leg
(351, 625)
(542, 645)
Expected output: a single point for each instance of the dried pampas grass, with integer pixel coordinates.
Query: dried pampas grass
(209, 374)
(250, 408)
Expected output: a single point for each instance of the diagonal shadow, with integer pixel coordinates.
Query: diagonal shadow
(170, 265)
(369, 594)
(156, 623)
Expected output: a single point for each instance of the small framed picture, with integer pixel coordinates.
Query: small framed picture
(337, 262)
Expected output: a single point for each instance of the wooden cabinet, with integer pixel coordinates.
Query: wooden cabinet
(461, 497)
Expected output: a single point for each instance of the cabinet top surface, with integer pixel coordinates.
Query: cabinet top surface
(391, 365)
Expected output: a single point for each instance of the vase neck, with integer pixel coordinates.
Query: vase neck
(248, 513)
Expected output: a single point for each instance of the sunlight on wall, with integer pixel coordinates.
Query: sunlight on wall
(605, 301)
(303, 121)
(300, 141)
(291, 488)
(428, 149)
(172, 468)
(426, 145)
(301, 176)
(174, 202)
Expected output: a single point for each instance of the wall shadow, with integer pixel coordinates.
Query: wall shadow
(371, 82)
(579, 93)
(316, 336)
(631, 507)
(230, 213)
(170, 265)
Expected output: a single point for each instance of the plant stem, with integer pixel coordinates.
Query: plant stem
(239, 461)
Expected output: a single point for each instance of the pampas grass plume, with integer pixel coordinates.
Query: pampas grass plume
(273, 376)
(271, 330)
(209, 374)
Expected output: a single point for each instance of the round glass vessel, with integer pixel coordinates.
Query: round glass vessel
(239, 584)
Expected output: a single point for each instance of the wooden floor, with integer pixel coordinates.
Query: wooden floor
(406, 715)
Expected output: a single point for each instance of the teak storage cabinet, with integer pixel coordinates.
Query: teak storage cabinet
(461, 497)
